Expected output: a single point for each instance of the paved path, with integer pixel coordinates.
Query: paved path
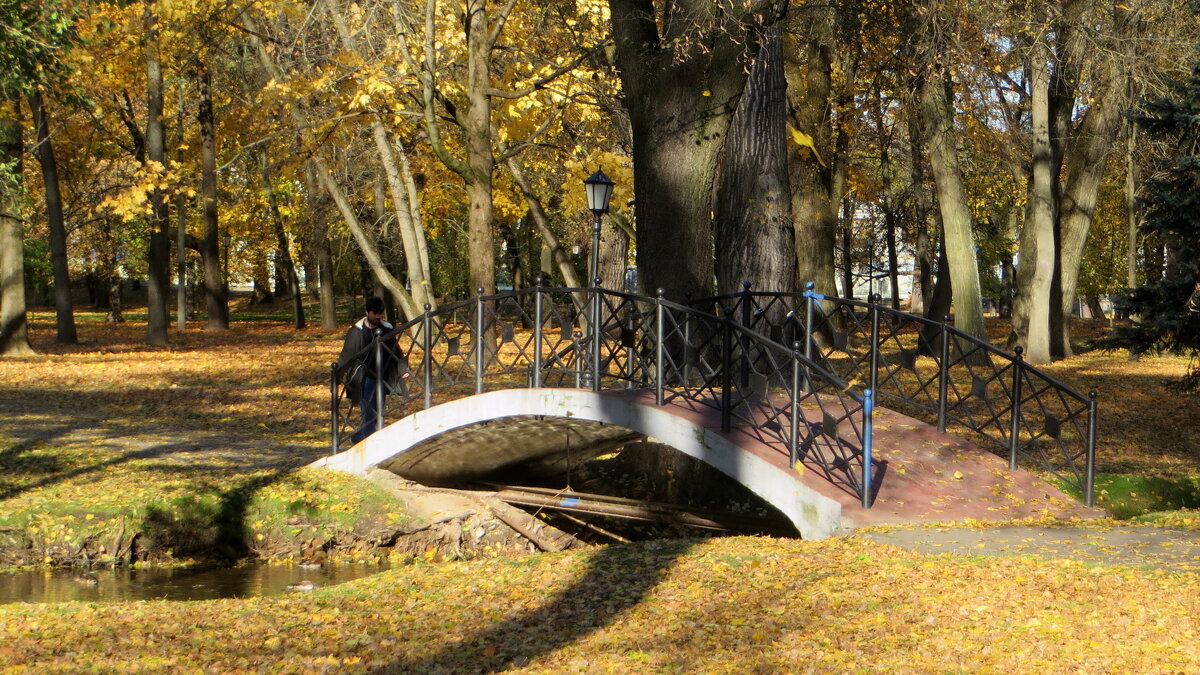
(1131, 545)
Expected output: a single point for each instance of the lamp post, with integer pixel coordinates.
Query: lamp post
(599, 189)
(225, 241)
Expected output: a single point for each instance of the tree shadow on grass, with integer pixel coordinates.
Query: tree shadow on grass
(617, 578)
(210, 527)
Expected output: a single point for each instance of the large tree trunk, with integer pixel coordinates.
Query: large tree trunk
(815, 195)
(158, 253)
(14, 332)
(216, 286)
(754, 239)
(64, 311)
(952, 203)
(682, 85)
(1031, 306)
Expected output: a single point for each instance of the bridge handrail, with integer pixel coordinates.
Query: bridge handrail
(611, 338)
(1039, 397)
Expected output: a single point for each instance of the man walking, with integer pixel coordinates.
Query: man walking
(361, 381)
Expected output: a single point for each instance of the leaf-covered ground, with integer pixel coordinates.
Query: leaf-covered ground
(218, 424)
(729, 605)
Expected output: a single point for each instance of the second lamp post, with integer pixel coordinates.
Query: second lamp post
(599, 189)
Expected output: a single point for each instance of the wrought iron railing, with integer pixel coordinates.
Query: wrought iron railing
(935, 372)
(599, 339)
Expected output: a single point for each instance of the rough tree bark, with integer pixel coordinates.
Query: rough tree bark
(683, 70)
(754, 239)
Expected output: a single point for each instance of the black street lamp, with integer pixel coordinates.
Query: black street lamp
(599, 190)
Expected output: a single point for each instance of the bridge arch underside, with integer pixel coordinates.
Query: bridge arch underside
(545, 431)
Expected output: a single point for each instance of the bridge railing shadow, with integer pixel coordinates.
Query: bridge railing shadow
(934, 372)
(593, 338)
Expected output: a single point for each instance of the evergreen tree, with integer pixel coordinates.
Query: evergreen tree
(1168, 308)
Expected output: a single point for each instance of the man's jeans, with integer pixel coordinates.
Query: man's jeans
(370, 411)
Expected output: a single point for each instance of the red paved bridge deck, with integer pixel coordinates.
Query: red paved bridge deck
(928, 476)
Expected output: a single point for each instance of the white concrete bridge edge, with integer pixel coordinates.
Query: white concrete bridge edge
(814, 515)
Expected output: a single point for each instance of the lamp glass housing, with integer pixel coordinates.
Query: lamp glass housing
(599, 190)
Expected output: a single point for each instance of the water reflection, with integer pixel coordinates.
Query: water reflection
(171, 584)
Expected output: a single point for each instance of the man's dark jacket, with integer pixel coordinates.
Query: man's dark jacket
(357, 338)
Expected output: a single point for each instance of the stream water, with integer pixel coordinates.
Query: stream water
(122, 584)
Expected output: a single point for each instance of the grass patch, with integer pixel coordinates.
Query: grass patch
(1145, 498)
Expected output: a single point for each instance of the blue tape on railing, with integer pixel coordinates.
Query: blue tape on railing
(814, 295)
(568, 502)
(868, 410)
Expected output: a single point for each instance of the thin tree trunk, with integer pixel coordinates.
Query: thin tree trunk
(1132, 209)
(181, 308)
(63, 307)
(284, 259)
(216, 286)
(323, 174)
(542, 222)
(158, 253)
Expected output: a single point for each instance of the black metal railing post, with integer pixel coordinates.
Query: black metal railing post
(595, 354)
(747, 301)
(868, 429)
(809, 309)
(808, 320)
(659, 335)
(943, 374)
(378, 384)
(1090, 460)
(427, 359)
(536, 380)
(726, 378)
(577, 347)
(479, 346)
(1014, 432)
(333, 406)
(794, 434)
(873, 302)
